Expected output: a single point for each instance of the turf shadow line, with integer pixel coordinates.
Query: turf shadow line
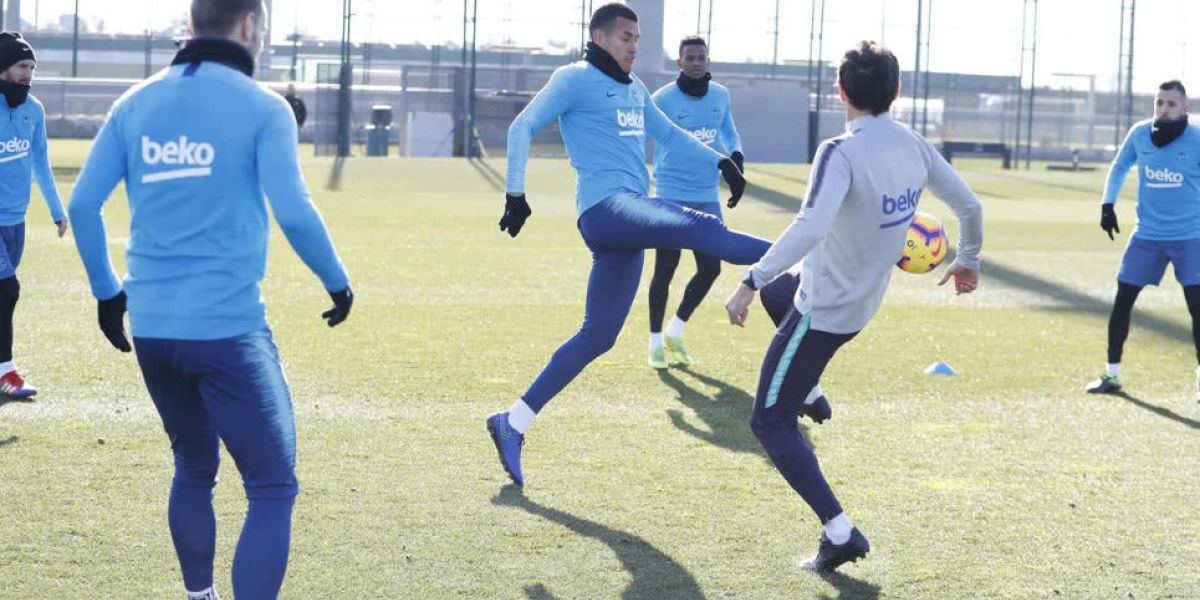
(850, 588)
(1158, 410)
(489, 173)
(335, 174)
(726, 413)
(12, 439)
(6, 399)
(1079, 300)
(1091, 192)
(780, 200)
(655, 576)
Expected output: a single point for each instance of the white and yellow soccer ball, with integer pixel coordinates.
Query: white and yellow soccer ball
(925, 246)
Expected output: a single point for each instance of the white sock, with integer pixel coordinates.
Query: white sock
(675, 327)
(520, 416)
(1114, 369)
(814, 394)
(206, 594)
(656, 340)
(8, 367)
(838, 529)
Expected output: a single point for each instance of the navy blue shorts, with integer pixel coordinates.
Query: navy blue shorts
(12, 246)
(229, 390)
(1145, 261)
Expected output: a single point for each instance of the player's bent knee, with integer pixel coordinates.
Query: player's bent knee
(278, 488)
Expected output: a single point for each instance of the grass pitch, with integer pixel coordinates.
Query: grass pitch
(1006, 481)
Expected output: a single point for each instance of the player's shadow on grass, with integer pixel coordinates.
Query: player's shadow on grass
(335, 174)
(489, 173)
(1079, 301)
(654, 574)
(726, 413)
(6, 399)
(1158, 410)
(780, 200)
(850, 588)
(12, 439)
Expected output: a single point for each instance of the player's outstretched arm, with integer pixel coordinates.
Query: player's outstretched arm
(827, 189)
(948, 185)
(282, 181)
(45, 175)
(549, 104)
(103, 169)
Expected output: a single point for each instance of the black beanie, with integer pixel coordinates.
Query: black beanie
(13, 49)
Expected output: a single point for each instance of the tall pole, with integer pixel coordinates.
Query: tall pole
(775, 50)
(708, 36)
(1129, 67)
(471, 149)
(75, 44)
(1032, 91)
(925, 97)
(344, 84)
(917, 67)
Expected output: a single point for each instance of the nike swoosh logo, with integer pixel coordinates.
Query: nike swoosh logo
(611, 94)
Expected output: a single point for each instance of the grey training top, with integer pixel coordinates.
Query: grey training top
(862, 194)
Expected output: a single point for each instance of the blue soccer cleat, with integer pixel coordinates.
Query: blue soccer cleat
(830, 556)
(13, 386)
(508, 444)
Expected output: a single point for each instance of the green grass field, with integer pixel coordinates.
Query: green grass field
(1006, 481)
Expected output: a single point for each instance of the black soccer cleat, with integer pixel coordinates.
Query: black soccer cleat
(818, 410)
(830, 556)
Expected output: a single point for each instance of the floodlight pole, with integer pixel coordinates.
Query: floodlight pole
(344, 83)
(75, 44)
(471, 149)
(925, 99)
(775, 50)
(1032, 91)
(816, 33)
(917, 66)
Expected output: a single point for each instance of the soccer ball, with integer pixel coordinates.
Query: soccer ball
(925, 245)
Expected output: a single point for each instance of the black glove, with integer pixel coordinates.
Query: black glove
(341, 306)
(1108, 220)
(516, 210)
(739, 159)
(111, 314)
(733, 176)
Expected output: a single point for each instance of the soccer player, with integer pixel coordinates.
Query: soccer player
(604, 113)
(196, 171)
(847, 238)
(22, 152)
(701, 106)
(1168, 220)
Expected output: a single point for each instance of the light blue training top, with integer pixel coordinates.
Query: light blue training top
(1168, 204)
(198, 145)
(604, 124)
(23, 152)
(710, 120)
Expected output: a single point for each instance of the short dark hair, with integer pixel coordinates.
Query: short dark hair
(1173, 84)
(607, 15)
(870, 75)
(691, 40)
(217, 17)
